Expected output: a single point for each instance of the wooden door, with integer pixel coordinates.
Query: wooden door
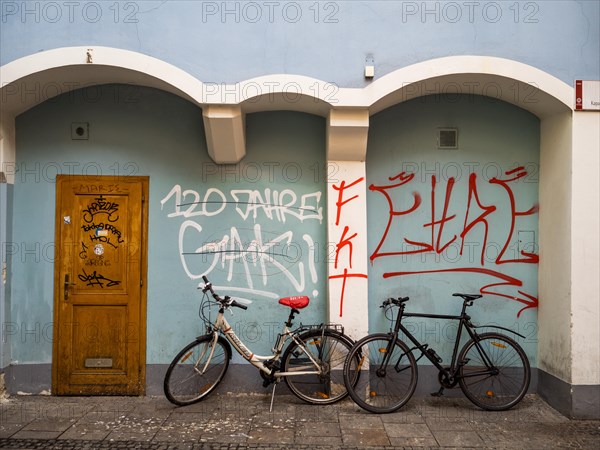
(99, 286)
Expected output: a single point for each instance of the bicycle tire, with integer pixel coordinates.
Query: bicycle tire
(381, 392)
(183, 385)
(503, 390)
(330, 349)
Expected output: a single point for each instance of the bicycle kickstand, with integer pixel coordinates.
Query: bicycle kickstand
(275, 383)
(438, 393)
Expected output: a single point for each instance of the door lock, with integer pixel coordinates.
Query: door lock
(67, 284)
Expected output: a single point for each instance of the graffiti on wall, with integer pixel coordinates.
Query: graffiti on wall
(344, 246)
(452, 226)
(247, 253)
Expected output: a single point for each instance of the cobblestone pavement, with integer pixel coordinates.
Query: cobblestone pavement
(233, 421)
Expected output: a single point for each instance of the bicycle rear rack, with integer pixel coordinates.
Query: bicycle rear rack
(322, 326)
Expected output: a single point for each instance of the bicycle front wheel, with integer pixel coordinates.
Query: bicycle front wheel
(387, 373)
(197, 370)
(495, 372)
(328, 349)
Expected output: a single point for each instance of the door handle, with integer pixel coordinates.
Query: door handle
(67, 284)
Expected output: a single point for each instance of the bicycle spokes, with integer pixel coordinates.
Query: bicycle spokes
(386, 374)
(495, 372)
(316, 361)
(196, 371)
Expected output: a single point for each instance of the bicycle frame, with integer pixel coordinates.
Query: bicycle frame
(464, 322)
(258, 361)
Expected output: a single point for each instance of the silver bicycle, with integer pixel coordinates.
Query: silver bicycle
(312, 363)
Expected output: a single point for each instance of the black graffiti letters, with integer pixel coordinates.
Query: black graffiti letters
(103, 239)
(101, 206)
(101, 230)
(96, 279)
(83, 252)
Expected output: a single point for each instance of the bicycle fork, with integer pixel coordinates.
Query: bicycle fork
(388, 355)
(209, 359)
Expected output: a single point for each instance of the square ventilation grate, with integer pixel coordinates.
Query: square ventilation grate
(447, 138)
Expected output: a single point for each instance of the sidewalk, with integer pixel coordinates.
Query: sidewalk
(233, 421)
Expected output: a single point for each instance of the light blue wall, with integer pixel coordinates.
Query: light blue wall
(226, 42)
(139, 131)
(493, 137)
(8, 328)
(285, 162)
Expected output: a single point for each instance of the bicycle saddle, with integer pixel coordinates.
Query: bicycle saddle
(296, 302)
(468, 297)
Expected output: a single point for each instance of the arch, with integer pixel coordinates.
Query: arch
(35, 78)
(39, 77)
(514, 82)
(64, 69)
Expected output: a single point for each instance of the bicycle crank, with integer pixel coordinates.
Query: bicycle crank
(447, 381)
(270, 378)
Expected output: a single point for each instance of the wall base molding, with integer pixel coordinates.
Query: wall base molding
(573, 401)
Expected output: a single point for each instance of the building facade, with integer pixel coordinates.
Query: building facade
(347, 151)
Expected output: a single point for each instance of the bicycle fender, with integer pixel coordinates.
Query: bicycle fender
(501, 328)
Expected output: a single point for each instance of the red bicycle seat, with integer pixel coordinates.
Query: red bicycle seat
(297, 302)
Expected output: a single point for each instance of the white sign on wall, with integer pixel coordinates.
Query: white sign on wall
(587, 95)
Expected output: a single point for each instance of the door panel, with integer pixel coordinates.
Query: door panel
(100, 274)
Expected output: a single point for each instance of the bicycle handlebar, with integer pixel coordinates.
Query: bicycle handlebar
(226, 302)
(394, 301)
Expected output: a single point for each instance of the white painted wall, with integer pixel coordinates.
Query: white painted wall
(353, 214)
(585, 249)
(554, 280)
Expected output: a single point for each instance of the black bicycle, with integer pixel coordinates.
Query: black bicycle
(491, 369)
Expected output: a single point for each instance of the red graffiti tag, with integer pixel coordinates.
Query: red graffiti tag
(530, 258)
(345, 240)
(529, 301)
(340, 201)
(344, 277)
(472, 219)
(481, 219)
(404, 179)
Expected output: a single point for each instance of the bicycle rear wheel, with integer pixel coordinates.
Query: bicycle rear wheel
(328, 349)
(197, 370)
(500, 386)
(383, 386)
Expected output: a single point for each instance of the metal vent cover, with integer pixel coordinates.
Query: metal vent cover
(447, 138)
